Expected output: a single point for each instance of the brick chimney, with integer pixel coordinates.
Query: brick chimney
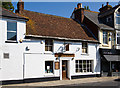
(105, 8)
(20, 7)
(79, 13)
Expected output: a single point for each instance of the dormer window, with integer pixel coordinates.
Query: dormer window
(12, 31)
(109, 19)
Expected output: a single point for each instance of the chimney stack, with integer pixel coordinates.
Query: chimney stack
(79, 13)
(20, 7)
(105, 8)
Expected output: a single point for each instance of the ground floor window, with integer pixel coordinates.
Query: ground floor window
(116, 66)
(83, 66)
(48, 66)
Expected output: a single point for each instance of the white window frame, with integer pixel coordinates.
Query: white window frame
(84, 48)
(53, 68)
(105, 36)
(12, 31)
(83, 71)
(48, 45)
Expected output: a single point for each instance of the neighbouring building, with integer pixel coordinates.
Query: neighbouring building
(105, 25)
(37, 45)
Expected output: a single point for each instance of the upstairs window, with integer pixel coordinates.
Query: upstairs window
(12, 31)
(118, 20)
(109, 19)
(105, 37)
(84, 47)
(66, 47)
(48, 45)
(118, 38)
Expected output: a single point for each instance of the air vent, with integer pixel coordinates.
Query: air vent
(6, 55)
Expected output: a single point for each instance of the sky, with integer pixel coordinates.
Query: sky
(63, 9)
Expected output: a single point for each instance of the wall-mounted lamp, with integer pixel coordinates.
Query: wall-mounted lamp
(42, 42)
(73, 58)
(57, 58)
(110, 34)
(20, 40)
(27, 48)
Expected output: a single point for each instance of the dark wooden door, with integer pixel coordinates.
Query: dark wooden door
(64, 69)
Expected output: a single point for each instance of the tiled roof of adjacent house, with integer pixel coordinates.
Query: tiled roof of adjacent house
(6, 13)
(93, 16)
(54, 26)
(109, 11)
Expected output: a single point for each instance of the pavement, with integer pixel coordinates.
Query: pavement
(73, 82)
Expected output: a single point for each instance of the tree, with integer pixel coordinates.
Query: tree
(8, 5)
(86, 7)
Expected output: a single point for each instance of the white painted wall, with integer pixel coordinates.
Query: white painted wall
(34, 59)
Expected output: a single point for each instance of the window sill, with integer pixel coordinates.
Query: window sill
(48, 74)
(11, 42)
(105, 45)
(84, 72)
(85, 54)
(48, 52)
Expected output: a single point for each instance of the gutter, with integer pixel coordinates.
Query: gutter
(18, 18)
(59, 38)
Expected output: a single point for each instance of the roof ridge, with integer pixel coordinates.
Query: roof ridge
(48, 14)
(92, 11)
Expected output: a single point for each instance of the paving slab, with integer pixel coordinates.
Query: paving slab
(67, 82)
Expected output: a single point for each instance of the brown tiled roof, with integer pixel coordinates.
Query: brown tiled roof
(6, 13)
(48, 25)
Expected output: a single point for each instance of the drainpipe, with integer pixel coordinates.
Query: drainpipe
(110, 69)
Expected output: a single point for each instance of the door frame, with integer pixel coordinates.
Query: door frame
(68, 67)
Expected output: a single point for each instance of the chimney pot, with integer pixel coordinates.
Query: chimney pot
(20, 6)
(79, 5)
(102, 5)
(107, 3)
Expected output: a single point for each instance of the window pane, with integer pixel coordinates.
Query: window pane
(118, 40)
(11, 36)
(11, 26)
(84, 47)
(105, 40)
(48, 45)
(48, 66)
(50, 48)
(117, 20)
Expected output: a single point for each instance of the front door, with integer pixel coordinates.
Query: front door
(64, 69)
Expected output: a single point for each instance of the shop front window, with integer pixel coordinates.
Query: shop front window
(83, 66)
(116, 66)
(48, 66)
